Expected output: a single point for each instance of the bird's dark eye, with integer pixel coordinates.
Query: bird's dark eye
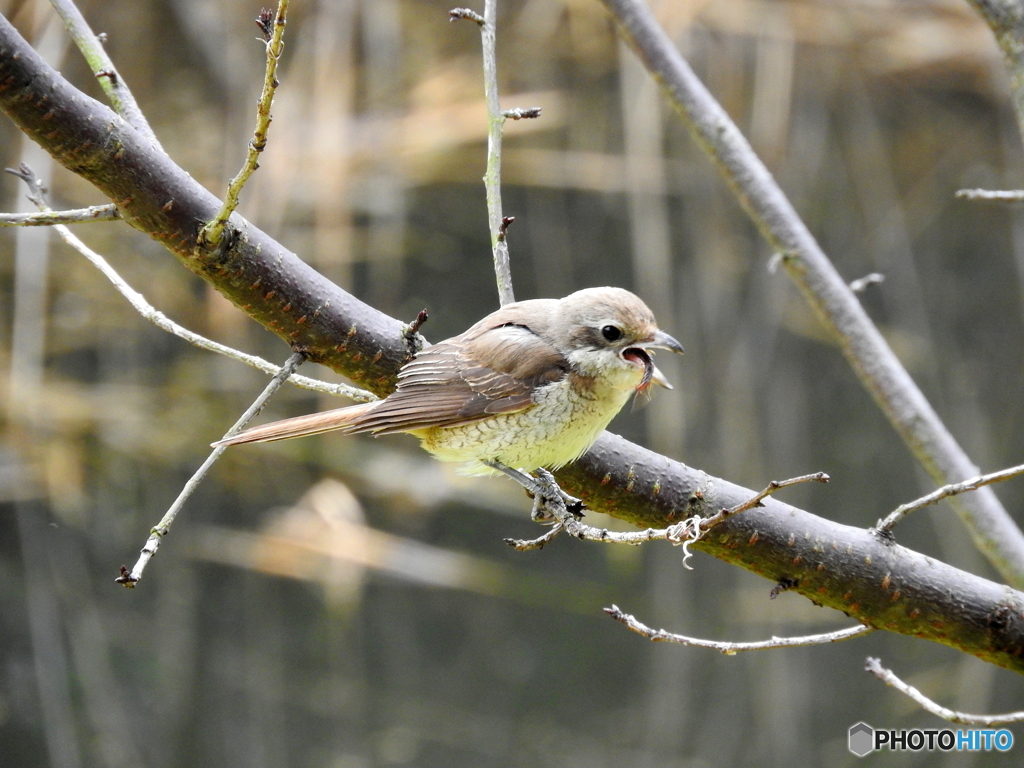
(611, 332)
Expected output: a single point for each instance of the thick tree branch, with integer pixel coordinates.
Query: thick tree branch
(877, 582)
(881, 372)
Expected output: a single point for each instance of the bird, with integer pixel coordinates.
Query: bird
(530, 387)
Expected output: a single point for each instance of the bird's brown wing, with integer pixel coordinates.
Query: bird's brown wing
(466, 379)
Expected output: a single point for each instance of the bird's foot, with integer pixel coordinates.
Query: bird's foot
(550, 502)
(550, 499)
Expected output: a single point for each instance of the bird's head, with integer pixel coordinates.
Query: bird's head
(608, 333)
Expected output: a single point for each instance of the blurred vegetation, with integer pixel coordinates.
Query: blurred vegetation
(346, 602)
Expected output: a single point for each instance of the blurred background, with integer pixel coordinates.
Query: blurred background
(347, 602)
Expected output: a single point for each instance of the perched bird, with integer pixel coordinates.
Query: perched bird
(530, 386)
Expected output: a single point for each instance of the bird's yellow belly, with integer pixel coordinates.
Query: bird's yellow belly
(559, 428)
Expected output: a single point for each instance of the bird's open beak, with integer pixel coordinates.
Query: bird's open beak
(662, 340)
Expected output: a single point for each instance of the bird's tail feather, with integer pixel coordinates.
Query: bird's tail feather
(299, 426)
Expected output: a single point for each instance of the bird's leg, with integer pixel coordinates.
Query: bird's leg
(549, 501)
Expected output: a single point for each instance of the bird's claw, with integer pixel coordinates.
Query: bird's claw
(549, 501)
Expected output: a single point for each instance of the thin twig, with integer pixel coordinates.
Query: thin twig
(130, 579)
(213, 231)
(992, 195)
(107, 212)
(110, 80)
(731, 649)
(495, 123)
(755, 501)
(887, 676)
(995, 533)
(565, 511)
(37, 194)
(953, 489)
(525, 545)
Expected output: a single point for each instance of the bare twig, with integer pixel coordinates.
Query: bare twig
(992, 195)
(213, 231)
(755, 501)
(731, 649)
(130, 579)
(525, 545)
(495, 123)
(994, 531)
(49, 218)
(37, 194)
(889, 522)
(887, 676)
(110, 80)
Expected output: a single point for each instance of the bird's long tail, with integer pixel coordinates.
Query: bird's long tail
(299, 426)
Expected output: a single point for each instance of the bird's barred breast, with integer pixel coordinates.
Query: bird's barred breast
(563, 424)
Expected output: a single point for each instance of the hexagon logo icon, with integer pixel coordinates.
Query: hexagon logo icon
(861, 739)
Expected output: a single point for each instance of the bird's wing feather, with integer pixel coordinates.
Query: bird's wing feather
(465, 379)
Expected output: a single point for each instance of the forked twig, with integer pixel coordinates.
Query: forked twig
(684, 533)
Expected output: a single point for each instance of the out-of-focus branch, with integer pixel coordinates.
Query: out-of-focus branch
(879, 583)
(1006, 19)
(881, 372)
(109, 78)
(50, 218)
(992, 195)
(887, 676)
(495, 124)
(272, 26)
